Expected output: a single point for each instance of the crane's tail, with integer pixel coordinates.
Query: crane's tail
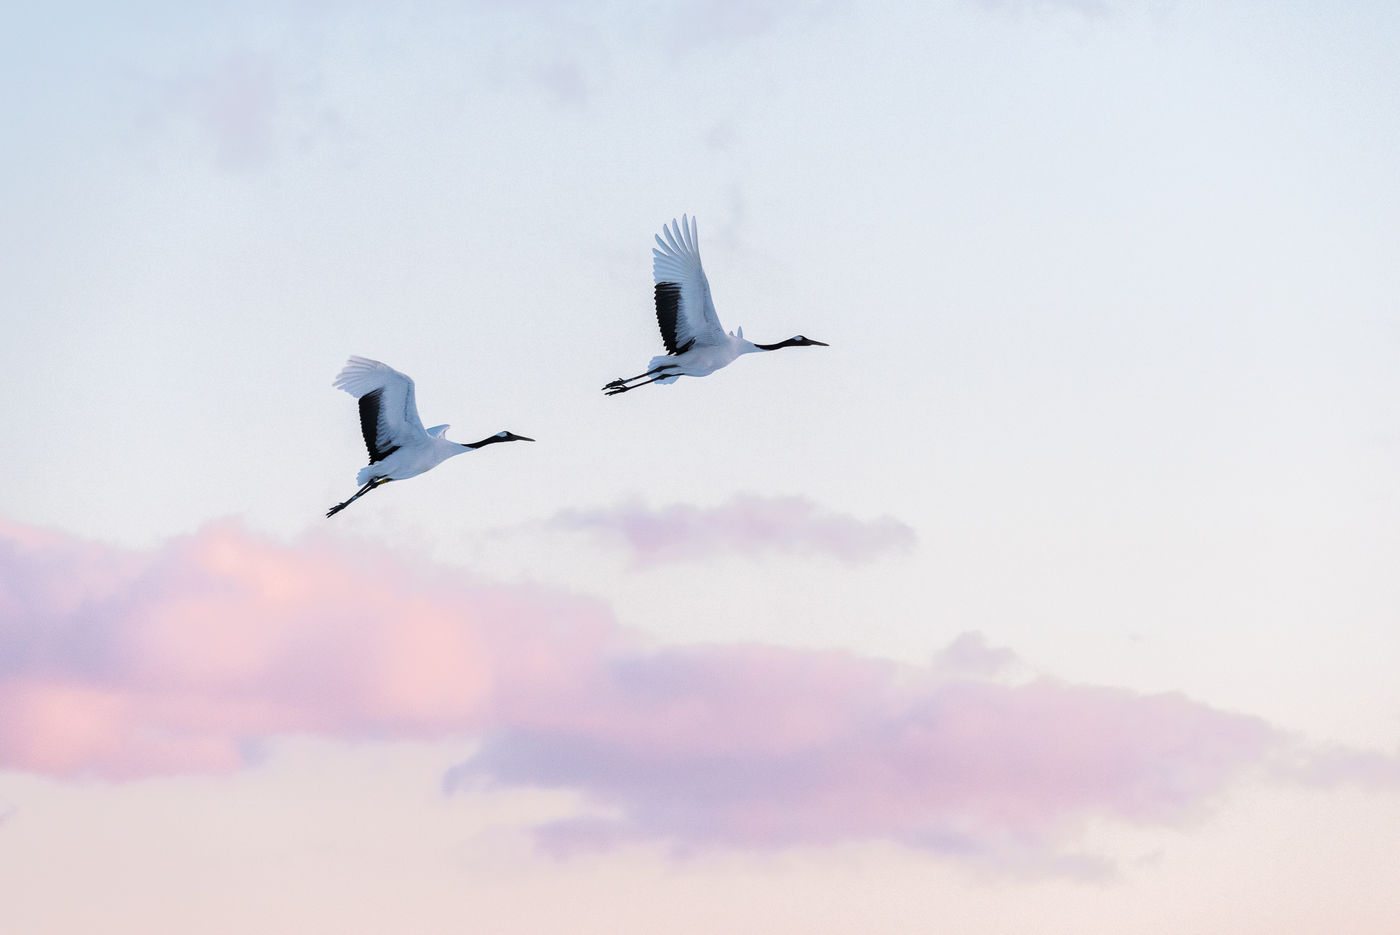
(662, 361)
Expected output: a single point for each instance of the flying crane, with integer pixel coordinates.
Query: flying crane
(399, 446)
(696, 345)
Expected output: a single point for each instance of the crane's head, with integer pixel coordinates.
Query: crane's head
(499, 437)
(798, 341)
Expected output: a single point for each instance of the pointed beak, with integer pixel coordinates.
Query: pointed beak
(821, 343)
(522, 438)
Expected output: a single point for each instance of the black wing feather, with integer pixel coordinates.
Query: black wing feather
(668, 305)
(369, 426)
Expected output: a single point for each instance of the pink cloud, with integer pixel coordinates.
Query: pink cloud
(745, 525)
(126, 665)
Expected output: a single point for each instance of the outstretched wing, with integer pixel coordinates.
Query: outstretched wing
(388, 412)
(684, 310)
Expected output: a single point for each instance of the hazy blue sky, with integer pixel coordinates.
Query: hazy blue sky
(1061, 586)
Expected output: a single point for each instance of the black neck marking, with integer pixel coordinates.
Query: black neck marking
(491, 440)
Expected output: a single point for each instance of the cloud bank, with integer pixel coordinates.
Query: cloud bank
(764, 747)
(127, 665)
(744, 525)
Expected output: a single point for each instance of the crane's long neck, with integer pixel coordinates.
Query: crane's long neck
(490, 440)
(503, 436)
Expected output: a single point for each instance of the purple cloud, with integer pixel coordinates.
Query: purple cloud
(765, 747)
(746, 525)
(126, 665)
(969, 654)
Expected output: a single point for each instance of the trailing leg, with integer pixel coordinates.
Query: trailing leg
(621, 381)
(374, 482)
(614, 390)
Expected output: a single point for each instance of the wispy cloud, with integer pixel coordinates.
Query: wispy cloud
(242, 107)
(1094, 8)
(125, 665)
(698, 22)
(745, 525)
(1104, 11)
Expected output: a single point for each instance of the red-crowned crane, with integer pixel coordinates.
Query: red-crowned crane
(696, 345)
(399, 446)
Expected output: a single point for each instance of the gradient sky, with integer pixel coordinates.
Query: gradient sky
(1058, 594)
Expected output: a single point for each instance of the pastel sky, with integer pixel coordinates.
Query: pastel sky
(1058, 594)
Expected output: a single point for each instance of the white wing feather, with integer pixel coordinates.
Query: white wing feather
(678, 261)
(398, 422)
